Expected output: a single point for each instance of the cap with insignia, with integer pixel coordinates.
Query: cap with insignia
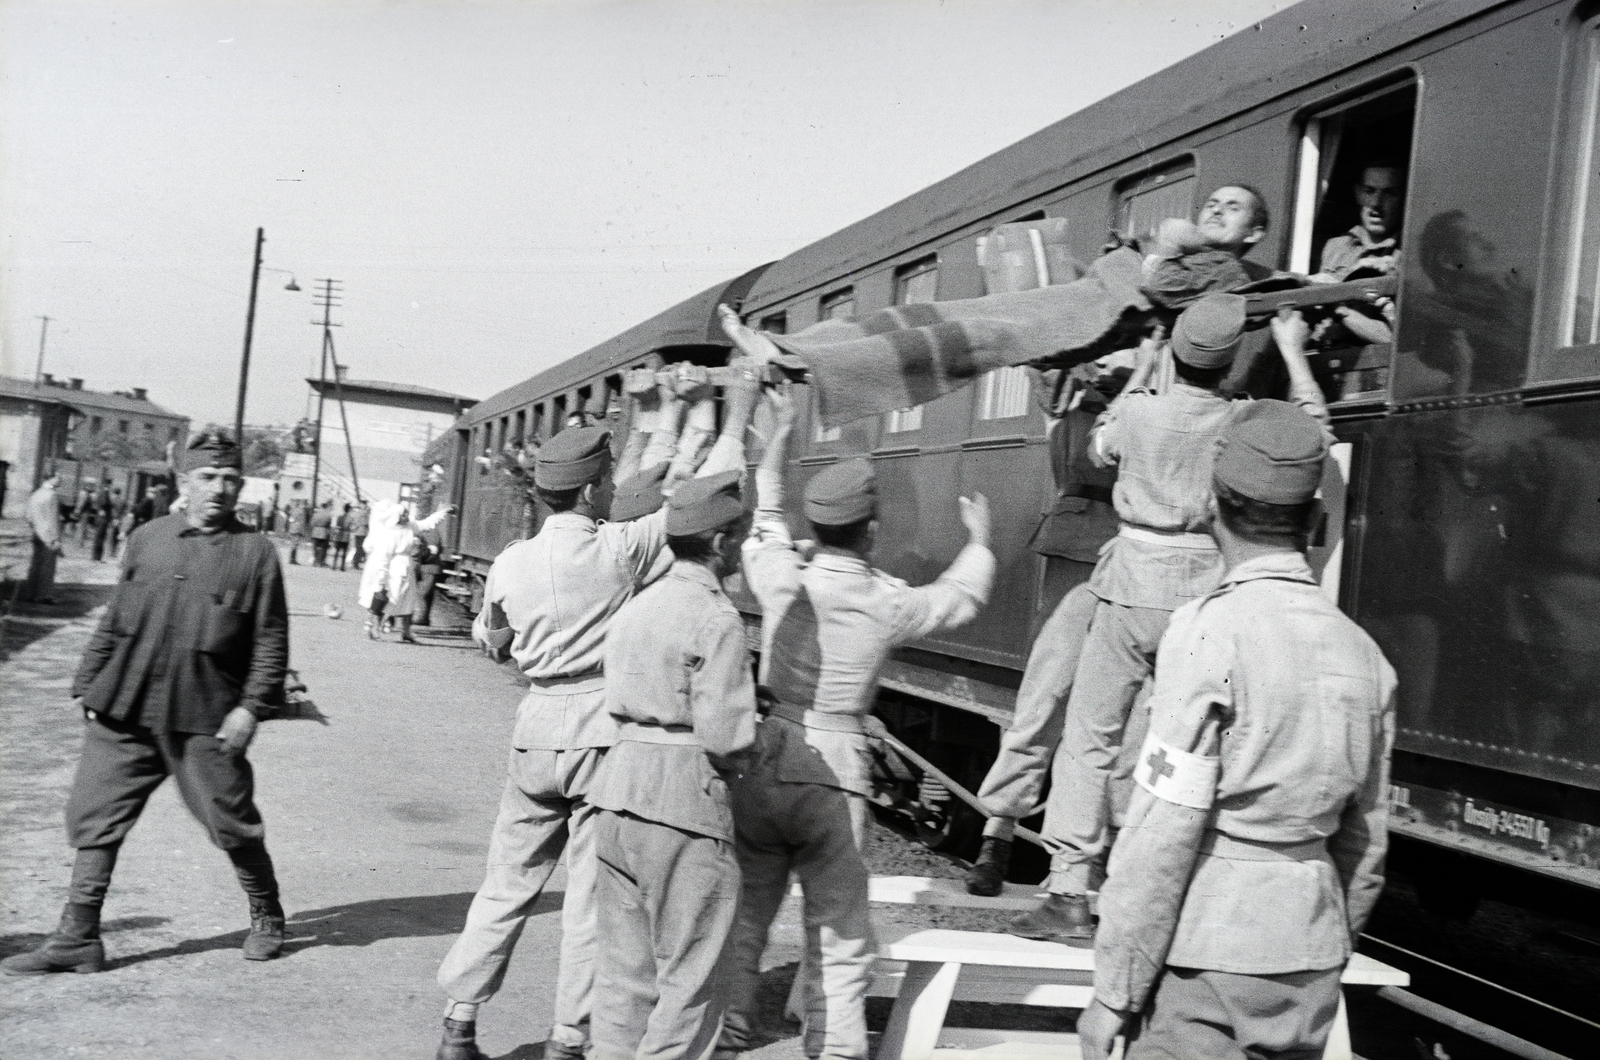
(213, 447)
(1271, 452)
(843, 494)
(575, 457)
(704, 504)
(639, 495)
(1207, 333)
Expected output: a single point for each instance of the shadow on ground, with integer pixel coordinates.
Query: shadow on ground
(30, 621)
(356, 924)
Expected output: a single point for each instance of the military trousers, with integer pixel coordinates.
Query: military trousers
(41, 571)
(544, 809)
(667, 901)
(814, 831)
(1089, 789)
(1196, 1014)
(1031, 743)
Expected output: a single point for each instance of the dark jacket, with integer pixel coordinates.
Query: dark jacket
(198, 625)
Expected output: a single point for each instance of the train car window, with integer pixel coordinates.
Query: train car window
(776, 323)
(820, 433)
(558, 414)
(1141, 202)
(537, 425)
(1003, 394)
(520, 431)
(1574, 352)
(913, 283)
(480, 445)
(1349, 204)
(613, 395)
(839, 305)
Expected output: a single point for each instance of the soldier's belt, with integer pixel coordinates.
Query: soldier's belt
(1236, 849)
(1170, 538)
(815, 719)
(637, 732)
(570, 683)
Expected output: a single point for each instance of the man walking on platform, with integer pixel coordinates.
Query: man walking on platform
(44, 518)
(1161, 558)
(685, 706)
(801, 806)
(190, 653)
(1254, 845)
(321, 533)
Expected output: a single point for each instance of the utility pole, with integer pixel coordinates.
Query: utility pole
(249, 328)
(38, 371)
(327, 298)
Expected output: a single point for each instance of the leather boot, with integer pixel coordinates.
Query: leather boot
(265, 940)
(988, 873)
(460, 1041)
(74, 947)
(1059, 918)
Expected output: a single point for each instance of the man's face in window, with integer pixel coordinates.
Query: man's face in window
(1379, 193)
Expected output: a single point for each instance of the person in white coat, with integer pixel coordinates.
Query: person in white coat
(389, 580)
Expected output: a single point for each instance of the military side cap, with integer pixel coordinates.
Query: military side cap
(1207, 333)
(213, 447)
(842, 494)
(639, 495)
(1272, 452)
(575, 457)
(703, 504)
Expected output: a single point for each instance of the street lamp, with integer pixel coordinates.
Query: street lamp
(249, 329)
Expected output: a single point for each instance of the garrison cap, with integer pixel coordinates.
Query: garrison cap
(1207, 333)
(639, 495)
(842, 494)
(703, 504)
(575, 457)
(213, 447)
(1272, 452)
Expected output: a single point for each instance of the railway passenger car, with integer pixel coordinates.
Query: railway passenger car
(1464, 531)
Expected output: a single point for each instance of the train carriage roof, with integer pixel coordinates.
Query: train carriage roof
(1296, 46)
(690, 323)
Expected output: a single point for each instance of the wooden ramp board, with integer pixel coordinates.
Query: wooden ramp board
(931, 890)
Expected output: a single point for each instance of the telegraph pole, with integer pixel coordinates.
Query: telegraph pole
(327, 298)
(249, 328)
(38, 371)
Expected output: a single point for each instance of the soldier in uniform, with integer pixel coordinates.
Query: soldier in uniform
(684, 701)
(1254, 846)
(827, 627)
(1162, 445)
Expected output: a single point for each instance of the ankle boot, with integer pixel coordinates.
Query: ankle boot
(265, 940)
(460, 1041)
(988, 873)
(74, 947)
(1059, 918)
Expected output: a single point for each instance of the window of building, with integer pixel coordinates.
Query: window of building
(916, 282)
(172, 434)
(1576, 352)
(1355, 152)
(94, 424)
(122, 426)
(839, 305)
(1003, 394)
(1146, 199)
(776, 323)
(149, 428)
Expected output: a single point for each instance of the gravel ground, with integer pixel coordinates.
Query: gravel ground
(379, 822)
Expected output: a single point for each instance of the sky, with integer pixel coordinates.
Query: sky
(496, 185)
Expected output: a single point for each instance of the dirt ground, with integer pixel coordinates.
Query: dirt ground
(378, 820)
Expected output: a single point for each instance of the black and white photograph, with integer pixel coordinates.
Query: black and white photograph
(800, 529)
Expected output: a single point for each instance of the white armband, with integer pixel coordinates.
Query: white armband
(1177, 776)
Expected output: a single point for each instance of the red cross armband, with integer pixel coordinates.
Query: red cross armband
(1177, 776)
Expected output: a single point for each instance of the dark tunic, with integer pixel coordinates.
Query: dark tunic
(198, 625)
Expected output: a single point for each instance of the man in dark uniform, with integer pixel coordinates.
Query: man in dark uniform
(430, 558)
(1254, 845)
(190, 653)
(685, 706)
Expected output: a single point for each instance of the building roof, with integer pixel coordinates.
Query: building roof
(84, 400)
(393, 395)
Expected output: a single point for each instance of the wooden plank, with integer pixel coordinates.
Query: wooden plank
(999, 986)
(919, 1011)
(976, 947)
(929, 890)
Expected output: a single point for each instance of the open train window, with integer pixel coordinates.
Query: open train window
(839, 305)
(558, 414)
(537, 425)
(916, 282)
(1003, 394)
(1574, 352)
(1349, 208)
(520, 431)
(1141, 202)
(776, 323)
